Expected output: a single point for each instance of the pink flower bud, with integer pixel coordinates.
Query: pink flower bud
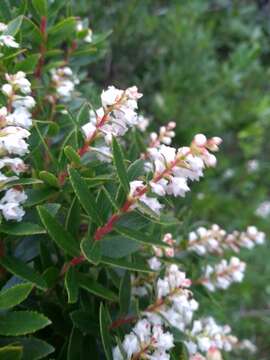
(200, 140)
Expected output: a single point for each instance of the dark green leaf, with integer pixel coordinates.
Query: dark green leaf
(57, 232)
(139, 236)
(117, 246)
(119, 162)
(84, 321)
(27, 65)
(125, 293)
(74, 344)
(104, 323)
(35, 349)
(21, 229)
(20, 269)
(124, 264)
(37, 196)
(136, 169)
(24, 182)
(63, 30)
(95, 288)
(11, 352)
(91, 250)
(72, 155)
(22, 322)
(85, 197)
(71, 285)
(40, 6)
(15, 295)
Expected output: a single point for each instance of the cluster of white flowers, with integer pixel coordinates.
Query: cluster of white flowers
(146, 341)
(167, 251)
(64, 82)
(206, 336)
(215, 240)
(85, 31)
(263, 210)
(117, 114)
(15, 119)
(223, 274)
(6, 40)
(142, 123)
(165, 136)
(173, 168)
(174, 302)
(174, 305)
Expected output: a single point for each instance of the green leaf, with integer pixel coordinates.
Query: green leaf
(85, 197)
(63, 30)
(34, 348)
(24, 182)
(125, 293)
(136, 169)
(71, 285)
(49, 178)
(91, 250)
(20, 269)
(57, 232)
(104, 323)
(27, 65)
(21, 229)
(22, 322)
(85, 282)
(118, 159)
(83, 114)
(84, 321)
(72, 223)
(124, 264)
(14, 26)
(72, 155)
(11, 352)
(40, 6)
(74, 344)
(37, 196)
(94, 181)
(51, 276)
(15, 295)
(139, 236)
(117, 246)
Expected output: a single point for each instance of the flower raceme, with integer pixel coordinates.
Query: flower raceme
(215, 240)
(6, 40)
(145, 341)
(173, 305)
(173, 168)
(15, 120)
(117, 114)
(206, 336)
(64, 82)
(223, 274)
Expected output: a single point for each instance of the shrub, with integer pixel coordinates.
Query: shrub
(98, 254)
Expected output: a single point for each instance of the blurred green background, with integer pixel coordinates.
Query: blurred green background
(205, 65)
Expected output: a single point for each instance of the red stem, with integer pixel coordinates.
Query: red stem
(42, 49)
(119, 322)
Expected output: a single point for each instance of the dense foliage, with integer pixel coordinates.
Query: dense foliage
(110, 191)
